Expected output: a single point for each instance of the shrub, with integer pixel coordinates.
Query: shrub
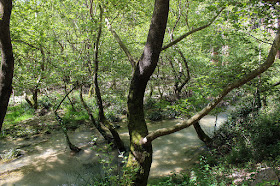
(155, 115)
(250, 135)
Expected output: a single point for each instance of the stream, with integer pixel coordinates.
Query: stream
(45, 160)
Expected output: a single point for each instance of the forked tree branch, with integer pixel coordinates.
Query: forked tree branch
(192, 31)
(263, 67)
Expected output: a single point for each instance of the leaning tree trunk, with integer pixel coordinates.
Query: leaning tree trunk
(141, 155)
(201, 134)
(7, 59)
(62, 124)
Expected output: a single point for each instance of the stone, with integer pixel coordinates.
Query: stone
(265, 175)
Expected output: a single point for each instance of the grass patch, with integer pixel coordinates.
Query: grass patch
(74, 118)
(18, 113)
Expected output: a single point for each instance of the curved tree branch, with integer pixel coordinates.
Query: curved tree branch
(191, 32)
(263, 67)
(187, 68)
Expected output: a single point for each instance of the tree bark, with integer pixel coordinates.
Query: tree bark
(7, 59)
(178, 88)
(64, 130)
(141, 155)
(62, 124)
(35, 97)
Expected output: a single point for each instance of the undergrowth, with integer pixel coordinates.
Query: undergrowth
(18, 113)
(249, 139)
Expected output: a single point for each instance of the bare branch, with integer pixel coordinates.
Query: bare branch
(263, 67)
(178, 19)
(120, 42)
(259, 39)
(55, 111)
(192, 31)
(24, 42)
(187, 68)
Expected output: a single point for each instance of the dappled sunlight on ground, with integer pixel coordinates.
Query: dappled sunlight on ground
(170, 152)
(51, 163)
(47, 161)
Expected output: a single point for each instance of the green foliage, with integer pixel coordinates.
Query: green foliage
(18, 113)
(19, 122)
(10, 155)
(54, 47)
(249, 135)
(114, 169)
(73, 113)
(115, 106)
(149, 103)
(112, 117)
(155, 115)
(179, 179)
(73, 119)
(205, 174)
(160, 109)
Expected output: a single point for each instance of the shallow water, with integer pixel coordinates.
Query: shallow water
(47, 161)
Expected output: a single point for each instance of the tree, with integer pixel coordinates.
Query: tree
(141, 155)
(117, 140)
(7, 59)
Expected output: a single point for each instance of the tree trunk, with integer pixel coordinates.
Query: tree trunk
(97, 125)
(141, 155)
(35, 97)
(71, 102)
(7, 59)
(62, 124)
(28, 100)
(202, 135)
(33, 102)
(64, 130)
(117, 140)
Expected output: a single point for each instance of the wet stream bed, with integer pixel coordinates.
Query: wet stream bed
(44, 159)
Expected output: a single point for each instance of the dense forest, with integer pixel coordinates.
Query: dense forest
(102, 83)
